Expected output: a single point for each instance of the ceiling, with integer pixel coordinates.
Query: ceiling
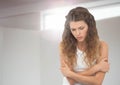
(25, 14)
(13, 3)
(16, 7)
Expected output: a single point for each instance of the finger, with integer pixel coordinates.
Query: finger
(66, 65)
(63, 63)
(105, 59)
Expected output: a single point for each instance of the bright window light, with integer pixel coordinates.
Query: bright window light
(54, 19)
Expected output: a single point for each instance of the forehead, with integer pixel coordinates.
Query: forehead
(76, 24)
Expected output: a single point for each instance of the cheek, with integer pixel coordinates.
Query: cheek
(73, 33)
(85, 33)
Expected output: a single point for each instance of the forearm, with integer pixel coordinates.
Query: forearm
(71, 81)
(87, 80)
(90, 71)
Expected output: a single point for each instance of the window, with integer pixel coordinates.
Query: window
(54, 19)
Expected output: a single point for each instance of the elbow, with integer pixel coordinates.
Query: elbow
(95, 81)
(98, 81)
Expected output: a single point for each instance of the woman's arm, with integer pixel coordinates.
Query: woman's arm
(62, 62)
(103, 66)
(90, 80)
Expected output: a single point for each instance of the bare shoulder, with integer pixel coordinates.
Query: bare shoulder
(104, 44)
(62, 56)
(103, 50)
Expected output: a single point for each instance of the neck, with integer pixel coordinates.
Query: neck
(81, 45)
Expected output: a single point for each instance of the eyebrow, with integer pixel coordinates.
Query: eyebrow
(78, 27)
(81, 27)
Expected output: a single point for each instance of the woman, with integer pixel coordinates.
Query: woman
(83, 57)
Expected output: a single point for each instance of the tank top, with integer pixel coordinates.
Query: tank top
(80, 66)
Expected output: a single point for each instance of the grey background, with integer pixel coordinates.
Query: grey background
(30, 57)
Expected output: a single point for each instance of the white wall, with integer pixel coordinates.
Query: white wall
(29, 58)
(1, 44)
(21, 57)
(50, 66)
(109, 30)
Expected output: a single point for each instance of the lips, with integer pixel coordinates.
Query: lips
(79, 37)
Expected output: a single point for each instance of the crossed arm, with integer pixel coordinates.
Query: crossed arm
(91, 76)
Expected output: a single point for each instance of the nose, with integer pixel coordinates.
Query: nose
(78, 32)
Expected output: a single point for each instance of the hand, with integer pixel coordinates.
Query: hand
(65, 69)
(104, 65)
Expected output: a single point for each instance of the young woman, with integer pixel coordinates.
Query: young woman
(83, 57)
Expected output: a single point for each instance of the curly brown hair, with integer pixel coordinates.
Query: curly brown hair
(69, 43)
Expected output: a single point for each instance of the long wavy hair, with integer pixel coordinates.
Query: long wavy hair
(69, 43)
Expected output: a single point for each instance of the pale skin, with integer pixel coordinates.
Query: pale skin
(93, 75)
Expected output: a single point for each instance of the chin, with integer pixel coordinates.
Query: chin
(80, 40)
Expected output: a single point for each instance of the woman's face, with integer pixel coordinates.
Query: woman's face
(79, 30)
